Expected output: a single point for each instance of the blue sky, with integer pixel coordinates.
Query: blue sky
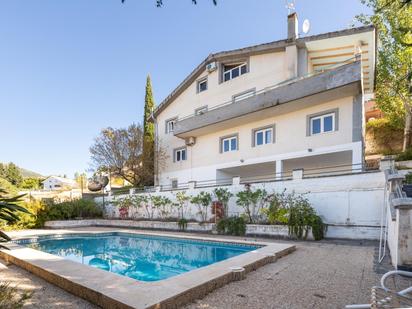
(71, 67)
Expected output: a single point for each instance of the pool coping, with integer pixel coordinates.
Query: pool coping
(110, 290)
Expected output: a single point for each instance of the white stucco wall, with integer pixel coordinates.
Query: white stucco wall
(290, 141)
(351, 204)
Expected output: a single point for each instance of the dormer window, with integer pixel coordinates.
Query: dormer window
(234, 70)
(202, 85)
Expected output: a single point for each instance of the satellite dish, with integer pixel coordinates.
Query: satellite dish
(306, 26)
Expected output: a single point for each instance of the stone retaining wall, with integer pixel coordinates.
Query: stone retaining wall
(274, 231)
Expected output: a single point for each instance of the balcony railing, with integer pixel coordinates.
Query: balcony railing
(266, 89)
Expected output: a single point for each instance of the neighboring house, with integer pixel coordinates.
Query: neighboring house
(264, 110)
(59, 183)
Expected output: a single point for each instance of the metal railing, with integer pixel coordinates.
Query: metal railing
(307, 173)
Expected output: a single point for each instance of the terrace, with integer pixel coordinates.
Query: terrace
(344, 276)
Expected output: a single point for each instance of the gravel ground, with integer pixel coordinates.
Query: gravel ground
(317, 275)
(45, 295)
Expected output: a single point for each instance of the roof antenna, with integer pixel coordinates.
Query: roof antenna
(306, 26)
(290, 5)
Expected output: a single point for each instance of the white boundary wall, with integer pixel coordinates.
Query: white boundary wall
(350, 204)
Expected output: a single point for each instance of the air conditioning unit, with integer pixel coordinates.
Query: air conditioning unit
(210, 67)
(190, 141)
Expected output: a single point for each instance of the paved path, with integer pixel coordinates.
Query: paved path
(317, 275)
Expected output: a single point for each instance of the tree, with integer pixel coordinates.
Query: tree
(148, 135)
(31, 183)
(120, 152)
(393, 19)
(81, 179)
(11, 173)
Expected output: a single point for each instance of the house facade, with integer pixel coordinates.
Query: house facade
(261, 112)
(57, 183)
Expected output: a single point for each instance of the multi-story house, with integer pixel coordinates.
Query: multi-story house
(265, 110)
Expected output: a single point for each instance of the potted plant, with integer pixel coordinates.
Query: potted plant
(407, 186)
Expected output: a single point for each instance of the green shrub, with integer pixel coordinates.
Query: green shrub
(302, 218)
(8, 187)
(408, 178)
(203, 201)
(68, 210)
(223, 195)
(318, 227)
(232, 226)
(251, 202)
(182, 223)
(10, 298)
(277, 212)
(404, 156)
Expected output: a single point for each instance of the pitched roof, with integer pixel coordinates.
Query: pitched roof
(251, 50)
(62, 179)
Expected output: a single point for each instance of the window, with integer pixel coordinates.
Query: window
(263, 136)
(170, 125)
(179, 155)
(201, 110)
(202, 85)
(233, 71)
(243, 95)
(228, 144)
(322, 124)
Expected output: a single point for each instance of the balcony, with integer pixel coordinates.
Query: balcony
(279, 99)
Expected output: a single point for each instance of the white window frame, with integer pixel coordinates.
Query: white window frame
(265, 142)
(322, 123)
(230, 71)
(229, 140)
(170, 125)
(199, 82)
(181, 151)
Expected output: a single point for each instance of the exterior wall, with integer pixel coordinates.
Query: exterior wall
(53, 183)
(204, 158)
(350, 204)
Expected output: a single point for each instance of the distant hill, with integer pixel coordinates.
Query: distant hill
(28, 173)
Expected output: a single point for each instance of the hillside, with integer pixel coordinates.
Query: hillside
(28, 173)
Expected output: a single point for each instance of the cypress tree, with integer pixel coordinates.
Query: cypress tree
(149, 105)
(148, 135)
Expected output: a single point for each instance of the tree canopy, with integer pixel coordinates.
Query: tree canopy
(11, 173)
(393, 20)
(120, 152)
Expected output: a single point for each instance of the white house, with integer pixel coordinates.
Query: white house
(52, 183)
(263, 111)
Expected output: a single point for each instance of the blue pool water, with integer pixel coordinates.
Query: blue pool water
(141, 257)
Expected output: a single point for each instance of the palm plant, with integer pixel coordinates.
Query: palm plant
(9, 210)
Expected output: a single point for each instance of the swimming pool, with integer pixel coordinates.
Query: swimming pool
(138, 256)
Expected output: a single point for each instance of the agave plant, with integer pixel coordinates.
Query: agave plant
(9, 209)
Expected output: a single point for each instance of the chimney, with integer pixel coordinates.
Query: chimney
(293, 26)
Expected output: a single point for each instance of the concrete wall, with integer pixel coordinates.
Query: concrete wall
(350, 204)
